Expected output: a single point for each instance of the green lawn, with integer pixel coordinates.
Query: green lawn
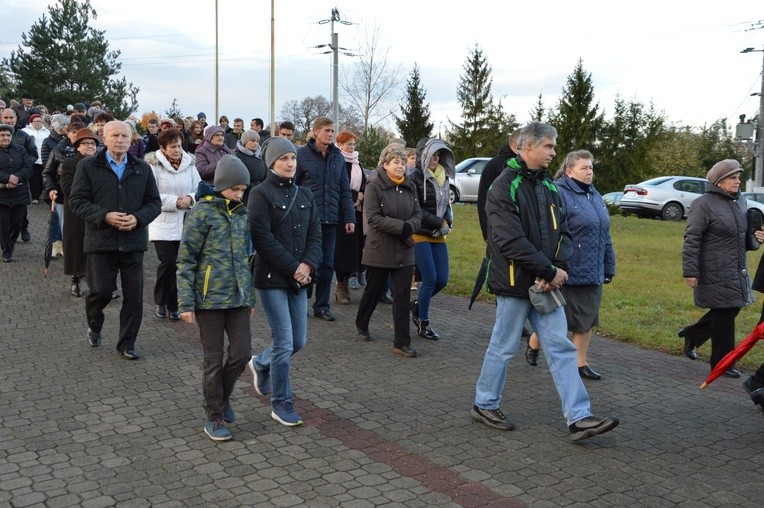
(646, 303)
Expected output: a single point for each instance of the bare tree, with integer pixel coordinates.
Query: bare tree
(371, 83)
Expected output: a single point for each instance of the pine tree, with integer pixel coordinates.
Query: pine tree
(538, 111)
(485, 126)
(65, 60)
(577, 118)
(414, 123)
(174, 111)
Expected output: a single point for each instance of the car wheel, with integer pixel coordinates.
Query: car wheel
(453, 194)
(672, 211)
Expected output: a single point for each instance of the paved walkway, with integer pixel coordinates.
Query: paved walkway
(83, 427)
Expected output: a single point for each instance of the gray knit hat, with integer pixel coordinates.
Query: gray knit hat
(248, 135)
(59, 121)
(230, 172)
(275, 147)
(722, 170)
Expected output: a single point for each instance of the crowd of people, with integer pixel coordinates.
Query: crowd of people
(236, 213)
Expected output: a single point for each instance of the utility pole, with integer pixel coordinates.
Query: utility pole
(217, 69)
(759, 143)
(335, 47)
(274, 131)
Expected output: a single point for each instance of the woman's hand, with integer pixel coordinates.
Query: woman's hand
(188, 317)
(759, 234)
(691, 281)
(53, 195)
(302, 274)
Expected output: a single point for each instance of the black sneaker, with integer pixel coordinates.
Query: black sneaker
(591, 426)
(493, 418)
(25, 236)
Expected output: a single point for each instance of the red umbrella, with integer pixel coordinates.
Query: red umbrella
(735, 355)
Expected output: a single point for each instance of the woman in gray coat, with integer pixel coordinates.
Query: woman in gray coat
(714, 262)
(391, 214)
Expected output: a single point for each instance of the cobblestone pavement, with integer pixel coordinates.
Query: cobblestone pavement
(80, 426)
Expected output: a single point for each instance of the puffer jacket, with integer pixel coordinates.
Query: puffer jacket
(327, 178)
(208, 155)
(51, 174)
(592, 258)
(97, 191)
(527, 230)
(434, 199)
(282, 245)
(387, 207)
(14, 160)
(171, 184)
(714, 250)
(213, 259)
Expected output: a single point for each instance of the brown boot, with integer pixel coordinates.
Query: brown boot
(341, 295)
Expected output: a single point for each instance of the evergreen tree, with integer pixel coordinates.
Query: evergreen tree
(6, 85)
(174, 111)
(370, 145)
(65, 60)
(538, 111)
(577, 118)
(485, 126)
(414, 123)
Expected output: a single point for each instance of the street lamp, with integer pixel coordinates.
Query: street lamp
(759, 168)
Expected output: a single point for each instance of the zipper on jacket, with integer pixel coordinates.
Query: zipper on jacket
(554, 217)
(206, 282)
(512, 273)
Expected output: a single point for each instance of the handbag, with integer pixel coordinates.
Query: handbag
(755, 218)
(545, 301)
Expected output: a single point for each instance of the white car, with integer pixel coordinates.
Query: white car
(467, 179)
(667, 197)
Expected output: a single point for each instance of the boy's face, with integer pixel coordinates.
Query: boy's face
(234, 193)
(153, 128)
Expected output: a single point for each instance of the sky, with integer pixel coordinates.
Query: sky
(684, 57)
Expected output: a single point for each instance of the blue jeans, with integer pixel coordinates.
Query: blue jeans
(287, 314)
(560, 353)
(432, 263)
(326, 268)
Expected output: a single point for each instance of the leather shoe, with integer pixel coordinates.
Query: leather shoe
(532, 356)
(587, 373)
(732, 372)
(365, 335)
(757, 396)
(325, 315)
(750, 385)
(414, 308)
(690, 351)
(426, 332)
(405, 351)
(25, 236)
(130, 354)
(94, 338)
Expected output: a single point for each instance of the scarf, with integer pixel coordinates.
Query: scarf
(396, 181)
(175, 163)
(439, 174)
(245, 151)
(356, 173)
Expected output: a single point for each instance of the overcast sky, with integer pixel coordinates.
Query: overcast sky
(684, 56)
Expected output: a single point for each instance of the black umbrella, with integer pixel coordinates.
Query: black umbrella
(479, 281)
(54, 232)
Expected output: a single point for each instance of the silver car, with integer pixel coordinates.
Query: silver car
(467, 179)
(667, 197)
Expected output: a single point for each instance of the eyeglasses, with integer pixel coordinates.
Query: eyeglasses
(88, 143)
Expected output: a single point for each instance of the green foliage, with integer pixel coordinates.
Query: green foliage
(414, 123)
(65, 60)
(7, 86)
(370, 145)
(646, 303)
(577, 117)
(174, 110)
(485, 126)
(538, 111)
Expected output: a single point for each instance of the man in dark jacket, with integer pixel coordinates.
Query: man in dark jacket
(491, 172)
(528, 244)
(24, 140)
(117, 197)
(15, 172)
(321, 168)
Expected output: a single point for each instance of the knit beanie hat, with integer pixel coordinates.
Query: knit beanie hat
(200, 115)
(59, 121)
(273, 148)
(210, 131)
(722, 170)
(248, 135)
(230, 172)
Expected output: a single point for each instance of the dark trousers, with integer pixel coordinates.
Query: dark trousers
(326, 268)
(11, 219)
(101, 270)
(35, 184)
(376, 280)
(717, 325)
(222, 368)
(166, 287)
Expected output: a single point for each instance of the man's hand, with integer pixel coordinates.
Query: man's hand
(121, 221)
(559, 279)
(188, 317)
(349, 228)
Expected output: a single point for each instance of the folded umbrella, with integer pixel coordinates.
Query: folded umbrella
(735, 355)
(479, 281)
(53, 233)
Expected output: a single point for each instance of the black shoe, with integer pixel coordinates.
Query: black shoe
(591, 426)
(25, 236)
(757, 396)
(325, 315)
(414, 308)
(426, 332)
(174, 315)
(690, 351)
(386, 298)
(732, 372)
(493, 418)
(76, 290)
(94, 338)
(160, 311)
(751, 385)
(531, 355)
(7, 259)
(365, 335)
(130, 354)
(405, 351)
(587, 373)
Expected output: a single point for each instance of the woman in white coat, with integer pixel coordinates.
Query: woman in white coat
(177, 179)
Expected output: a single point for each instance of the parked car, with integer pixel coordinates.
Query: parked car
(754, 196)
(467, 179)
(613, 198)
(667, 197)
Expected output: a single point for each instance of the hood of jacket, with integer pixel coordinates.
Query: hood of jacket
(426, 148)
